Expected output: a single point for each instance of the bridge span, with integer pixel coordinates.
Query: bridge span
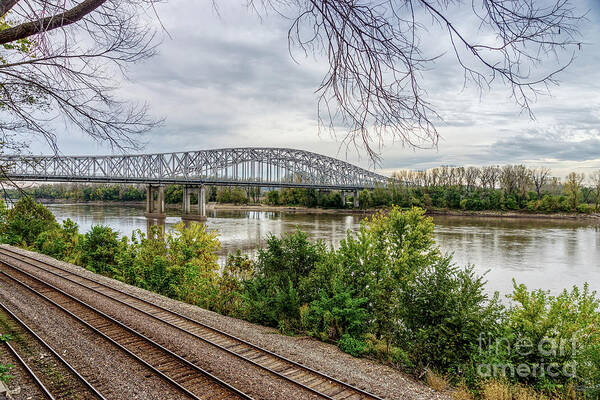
(243, 166)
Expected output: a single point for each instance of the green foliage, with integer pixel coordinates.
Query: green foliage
(364, 199)
(182, 265)
(386, 292)
(382, 258)
(352, 345)
(332, 200)
(331, 317)
(230, 283)
(99, 249)
(5, 372)
(273, 197)
(236, 195)
(272, 296)
(562, 330)
(25, 222)
(445, 312)
(61, 242)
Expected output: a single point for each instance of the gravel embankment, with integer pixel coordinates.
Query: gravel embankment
(372, 376)
(85, 350)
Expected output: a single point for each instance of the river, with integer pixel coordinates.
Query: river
(549, 254)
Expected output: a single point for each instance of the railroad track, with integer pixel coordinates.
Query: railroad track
(305, 377)
(182, 374)
(47, 370)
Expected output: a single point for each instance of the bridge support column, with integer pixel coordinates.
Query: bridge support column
(343, 194)
(161, 199)
(155, 209)
(202, 201)
(185, 209)
(187, 214)
(355, 200)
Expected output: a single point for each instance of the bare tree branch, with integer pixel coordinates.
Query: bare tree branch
(59, 65)
(69, 17)
(6, 5)
(373, 88)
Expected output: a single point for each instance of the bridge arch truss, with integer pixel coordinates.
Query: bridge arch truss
(247, 166)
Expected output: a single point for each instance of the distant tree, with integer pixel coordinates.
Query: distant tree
(364, 199)
(539, 177)
(573, 187)
(595, 177)
(471, 176)
(490, 176)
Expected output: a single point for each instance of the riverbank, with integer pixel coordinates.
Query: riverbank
(514, 214)
(313, 210)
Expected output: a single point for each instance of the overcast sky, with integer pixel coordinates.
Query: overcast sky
(227, 79)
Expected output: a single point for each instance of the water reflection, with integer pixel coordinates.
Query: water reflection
(551, 254)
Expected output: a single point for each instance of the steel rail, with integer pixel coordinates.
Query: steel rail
(32, 374)
(16, 255)
(127, 328)
(94, 391)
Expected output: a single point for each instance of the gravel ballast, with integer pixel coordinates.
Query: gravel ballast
(369, 375)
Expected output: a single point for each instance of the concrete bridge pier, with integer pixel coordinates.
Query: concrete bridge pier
(187, 214)
(355, 200)
(155, 208)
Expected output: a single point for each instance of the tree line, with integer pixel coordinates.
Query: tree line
(387, 292)
(496, 188)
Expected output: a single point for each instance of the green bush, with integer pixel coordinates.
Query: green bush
(351, 345)
(364, 199)
(584, 208)
(237, 271)
(272, 296)
(510, 203)
(99, 249)
(26, 221)
(331, 317)
(565, 327)
(60, 242)
(445, 311)
(380, 259)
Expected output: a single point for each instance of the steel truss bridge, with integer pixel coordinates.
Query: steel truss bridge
(244, 166)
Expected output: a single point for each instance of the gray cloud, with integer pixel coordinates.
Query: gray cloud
(229, 80)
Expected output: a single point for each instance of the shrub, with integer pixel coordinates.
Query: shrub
(60, 243)
(331, 317)
(274, 295)
(510, 203)
(584, 208)
(378, 262)
(445, 311)
(351, 345)
(566, 327)
(99, 250)
(364, 199)
(25, 221)
(237, 271)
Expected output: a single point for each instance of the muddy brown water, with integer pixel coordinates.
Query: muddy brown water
(549, 254)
